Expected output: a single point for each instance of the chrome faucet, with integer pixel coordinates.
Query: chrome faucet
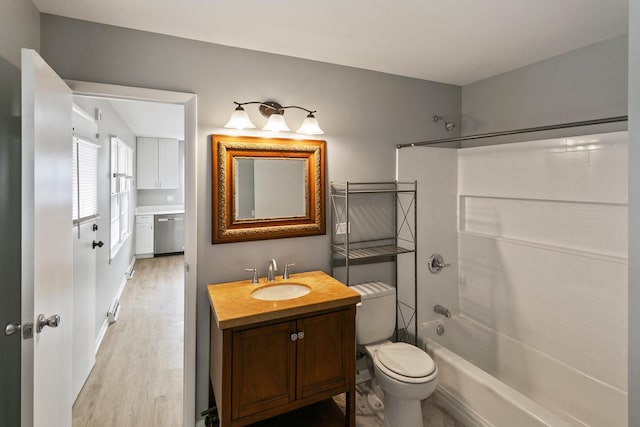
(272, 267)
(442, 310)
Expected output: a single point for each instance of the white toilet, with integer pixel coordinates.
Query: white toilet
(406, 374)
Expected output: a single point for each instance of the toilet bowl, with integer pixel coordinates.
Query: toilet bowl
(406, 374)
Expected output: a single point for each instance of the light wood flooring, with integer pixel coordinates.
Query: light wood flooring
(137, 378)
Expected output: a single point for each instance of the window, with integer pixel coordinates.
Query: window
(85, 180)
(121, 177)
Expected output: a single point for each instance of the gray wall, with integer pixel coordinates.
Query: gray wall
(634, 213)
(363, 113)
(19, 27)
(584, 84)
(109, 275)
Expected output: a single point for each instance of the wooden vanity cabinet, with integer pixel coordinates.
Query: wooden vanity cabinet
(260, 371)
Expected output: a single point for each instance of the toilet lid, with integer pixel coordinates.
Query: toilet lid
(406, 360)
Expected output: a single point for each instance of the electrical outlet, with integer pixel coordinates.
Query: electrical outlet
(341, 228)
(169, 198)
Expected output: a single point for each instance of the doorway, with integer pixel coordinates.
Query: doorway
(189, 102)
(116, 132)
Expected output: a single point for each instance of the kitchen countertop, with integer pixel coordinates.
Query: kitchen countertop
(160, 210)
(234, 306)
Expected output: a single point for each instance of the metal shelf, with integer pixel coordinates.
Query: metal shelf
(344, 188)
(370, 240)
(372, 252)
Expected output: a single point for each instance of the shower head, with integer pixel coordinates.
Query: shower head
(448, 126)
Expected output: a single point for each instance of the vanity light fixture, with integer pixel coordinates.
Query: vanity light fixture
(275, 113)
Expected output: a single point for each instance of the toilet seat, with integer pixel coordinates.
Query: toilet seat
(405, 363)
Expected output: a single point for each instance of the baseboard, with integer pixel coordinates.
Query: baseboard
(130, 271)
(105, 322)
(103, 331)
(460, 410)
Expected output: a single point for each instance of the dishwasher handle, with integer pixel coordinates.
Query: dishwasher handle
(169, 219)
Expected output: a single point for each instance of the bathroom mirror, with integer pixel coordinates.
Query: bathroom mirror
(266, 188)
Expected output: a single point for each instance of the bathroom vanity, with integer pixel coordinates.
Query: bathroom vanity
(272, 356)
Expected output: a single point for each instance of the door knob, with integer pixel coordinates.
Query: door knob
(12, 328)
(98, 244)
(51, 321)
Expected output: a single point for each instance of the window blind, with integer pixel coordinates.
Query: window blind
(85, 180)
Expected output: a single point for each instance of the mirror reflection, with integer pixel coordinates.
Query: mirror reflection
(267, 188)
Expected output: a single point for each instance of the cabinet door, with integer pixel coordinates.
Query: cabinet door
(146, 163)
(326, 352)
(167, 163)
(144, 234)
(263, 369)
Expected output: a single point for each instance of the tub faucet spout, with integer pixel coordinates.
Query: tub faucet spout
(442, 310)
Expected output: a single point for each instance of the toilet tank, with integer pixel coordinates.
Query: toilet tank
(376, 317)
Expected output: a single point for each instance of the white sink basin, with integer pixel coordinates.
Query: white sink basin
(281, 292)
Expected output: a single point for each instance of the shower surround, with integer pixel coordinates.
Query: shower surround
(540, 266)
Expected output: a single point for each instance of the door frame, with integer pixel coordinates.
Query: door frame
(189, 101)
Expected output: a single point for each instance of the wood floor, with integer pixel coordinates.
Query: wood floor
(137, 378)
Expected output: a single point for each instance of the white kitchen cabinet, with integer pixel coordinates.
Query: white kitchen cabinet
(157, 163)
(144, 235)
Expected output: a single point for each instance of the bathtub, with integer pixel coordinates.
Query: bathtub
(471, 394)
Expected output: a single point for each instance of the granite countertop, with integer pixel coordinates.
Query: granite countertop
(234, 306)
(160, 210)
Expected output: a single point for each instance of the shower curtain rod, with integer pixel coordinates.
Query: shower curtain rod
(516, 131)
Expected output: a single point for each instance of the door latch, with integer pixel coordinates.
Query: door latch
(27, 330)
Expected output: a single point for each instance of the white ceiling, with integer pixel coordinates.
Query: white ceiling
(151, 119)
(451, 41)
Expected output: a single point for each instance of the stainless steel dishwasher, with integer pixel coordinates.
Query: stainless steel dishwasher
(168, 235)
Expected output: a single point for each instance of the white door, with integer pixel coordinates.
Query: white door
(84, 305)
(85, 211)
(47, 248)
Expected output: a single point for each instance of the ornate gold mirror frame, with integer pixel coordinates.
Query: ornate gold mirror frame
(227, 225)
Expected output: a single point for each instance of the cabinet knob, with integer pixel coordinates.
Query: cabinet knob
(294, 337)
(300, 335)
